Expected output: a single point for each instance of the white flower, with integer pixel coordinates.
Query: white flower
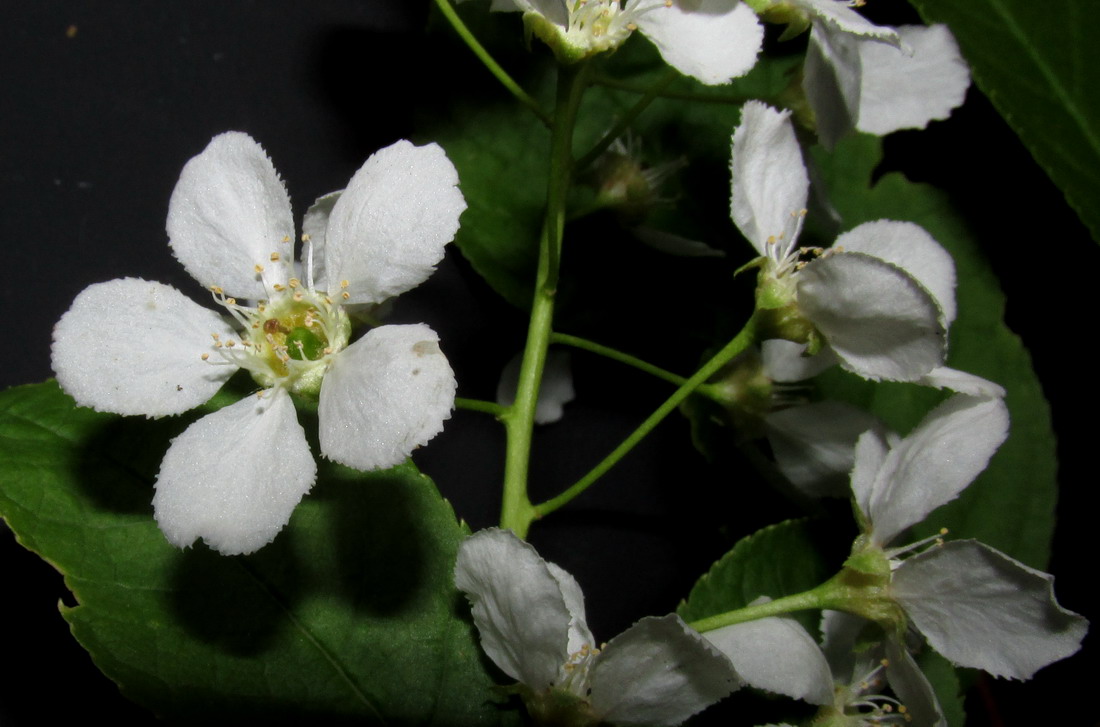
(530, 614)
(778, 655)
(975, 605)
(555, 389)
(132, 347)
(713, 41)
(876, 79)
(881, 297)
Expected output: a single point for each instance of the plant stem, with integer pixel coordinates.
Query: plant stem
(627, 119)
(817, 597)
(488, 407)
(483, 55)
(519, 419)
(739, 343)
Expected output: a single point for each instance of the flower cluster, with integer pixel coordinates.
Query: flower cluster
(132, 346)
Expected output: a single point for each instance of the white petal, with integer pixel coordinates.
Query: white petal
(912, 687)
(384, 396)
(131, 346)
(579, 635)
(831, 80)
(931, 466)
(388, 229)
(814, 445)
(982, 609)
(314, 230)
(769, 178)
(913, 250)
(961, 382)
(838, 17)
(908, 87)
(658, 672)
(784, 361)
(840, 633)
(713, 41)
(234, 477)
(228, 213)
(778, 655)
(871, 451)
(879, 321)
(555, 391)
(517, 606)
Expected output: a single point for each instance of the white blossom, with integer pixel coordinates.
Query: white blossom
(713, 41)
(530, 614)
(132, 347)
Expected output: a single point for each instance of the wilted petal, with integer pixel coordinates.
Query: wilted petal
(517, 605)
(234, 477)
(948, 449)
(385, 395)
(879, 321)
(908, 87)
(912, 249)
(388, 229)
(982, 609)
(769, 179)
(658, 672)
(713, 41)
(778, 655)
(814, 445)
(831, 81)
(912, 687)
(555, 390)
(131, 346)
(228, 213)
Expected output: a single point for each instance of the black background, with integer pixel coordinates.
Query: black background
(102, 102)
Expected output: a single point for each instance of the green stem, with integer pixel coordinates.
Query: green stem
(519, 419)
(494, 67)
(488, 407)
(740, 342)
(817, 597)
(627, 119)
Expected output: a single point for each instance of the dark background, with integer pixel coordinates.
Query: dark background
(101, 103)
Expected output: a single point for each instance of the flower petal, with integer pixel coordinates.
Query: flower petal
(579, 635)
(658, 672)
(517, 605)
(871, 451)
(778, 655)
(785, 362)
(879, 321)
(131, 346)
(831, 81)
(384, 396)
(713, 41)
(228, 213)
(948, 449)
(982, 609)
(388, 229)
(769, 178)
(943, 377)
(555, 391)
(912, 249)
(234, 477)
(314, 230)
(912, 687)
(908, 87)
(838, 17)
(814, 445)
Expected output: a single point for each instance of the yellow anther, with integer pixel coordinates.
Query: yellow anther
(205, 357)
(902, 708)
(231, 301)
(944, 531)
(305, 237)
(344, 283)
(298, 296)
(771, 239)
(216, 290)
(215, 336)
(328, 350)
(294, 282)
(286, 238)
(231, 343)
(279, 287)
(885, 662)
(258, 268)
(275, 257)
(345, 295)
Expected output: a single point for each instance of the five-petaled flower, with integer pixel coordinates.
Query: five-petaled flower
(131, 346)
(881, 297)
(713, 41)
(530, 614)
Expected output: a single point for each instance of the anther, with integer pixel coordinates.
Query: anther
(275, 257)
(286, 238)
(344, 283)
(345, 295)
(258, 268)
(216, 290)
(205, 357)
(279, 287)
(231, 301)
(305, 237)
(294, 282)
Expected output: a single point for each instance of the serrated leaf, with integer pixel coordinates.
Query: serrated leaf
(779, 560)
(1037, 63)
(350, 614)
(1011, 505)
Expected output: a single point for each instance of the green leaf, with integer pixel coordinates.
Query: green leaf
(1037, 63)
(1011, 505)
(349, 614)
(779, 560)
(945, 683)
